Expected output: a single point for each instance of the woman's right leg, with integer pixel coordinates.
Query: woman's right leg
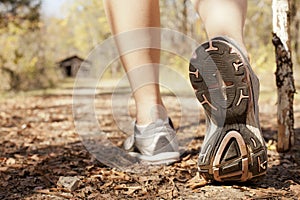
(233, 149)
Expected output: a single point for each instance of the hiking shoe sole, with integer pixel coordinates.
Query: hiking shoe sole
(221, 77)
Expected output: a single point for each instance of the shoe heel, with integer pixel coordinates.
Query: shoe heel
(235, 161)
(231, 161)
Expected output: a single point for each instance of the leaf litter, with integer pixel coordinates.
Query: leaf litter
(41, 157)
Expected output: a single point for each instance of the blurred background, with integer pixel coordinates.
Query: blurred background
(42, 40)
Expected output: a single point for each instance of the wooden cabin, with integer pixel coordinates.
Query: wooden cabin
(70, 66)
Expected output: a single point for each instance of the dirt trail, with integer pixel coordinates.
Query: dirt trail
(38, 145)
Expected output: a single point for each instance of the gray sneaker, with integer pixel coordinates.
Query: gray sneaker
(228, 89)
(156, 145)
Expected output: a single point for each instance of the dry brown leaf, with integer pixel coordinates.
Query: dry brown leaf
(148, 178)
(35, 157)
(48, 192)
(3, 169)
(106, 185)
(296, 190)
(18, 156)
(196, 182)
(186, 157)
(11, 161)
(120, 187)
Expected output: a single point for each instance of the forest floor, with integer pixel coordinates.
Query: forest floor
(39, 148)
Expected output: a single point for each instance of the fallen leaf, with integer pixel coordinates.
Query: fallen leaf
(11, 161)
(296, 190)
(196, 182)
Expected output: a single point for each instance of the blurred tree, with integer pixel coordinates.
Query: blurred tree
(295, 29)
(22, 57)
(18, 11)
(258, 36)
(89, 26)
(85, 25)
(180, 15)
(79, 32)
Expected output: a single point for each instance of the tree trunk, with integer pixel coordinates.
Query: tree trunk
(15, 80)
(284, 74)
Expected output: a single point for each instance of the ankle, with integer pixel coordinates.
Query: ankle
(147, 113)
(142, 128)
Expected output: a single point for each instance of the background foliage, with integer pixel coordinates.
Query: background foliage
(31, 43)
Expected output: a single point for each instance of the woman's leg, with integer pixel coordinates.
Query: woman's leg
(223, 18)
(141, 65)
(235, 151)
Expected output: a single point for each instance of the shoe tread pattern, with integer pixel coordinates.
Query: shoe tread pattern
(219, 76)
